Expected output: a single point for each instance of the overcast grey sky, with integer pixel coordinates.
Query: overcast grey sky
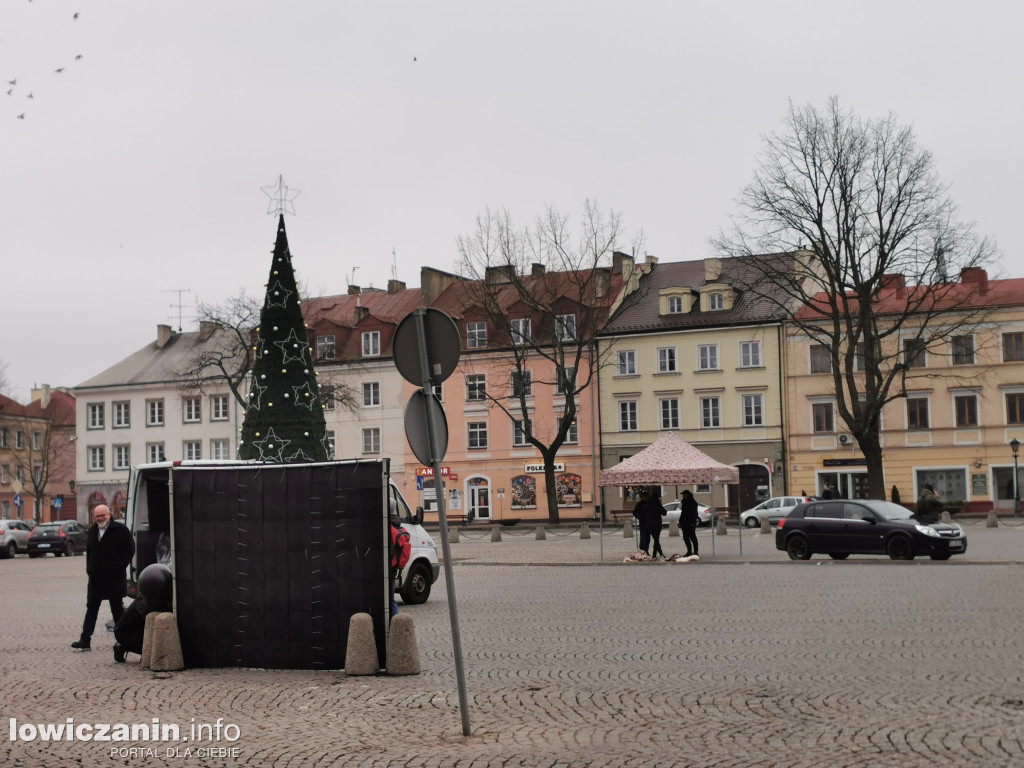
(137, 169)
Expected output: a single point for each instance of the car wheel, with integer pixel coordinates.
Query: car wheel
(416, 589)
(798, 548)
(69, 549)
(940, 557)
(839, 555)
(900, 548)
(11, 550)
(752, 522)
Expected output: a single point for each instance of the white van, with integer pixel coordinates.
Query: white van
(147, 516)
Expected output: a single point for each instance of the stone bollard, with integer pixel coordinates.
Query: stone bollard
(147, 641)
(585, 530)
(453, 535)
(992, 521)
(944, 517)
(766, 526)
(627, 531)
(495, 533)
(720, 529)
(361, 649)
(541, 533)
(165, 647)
(673, 527)
(403, 653)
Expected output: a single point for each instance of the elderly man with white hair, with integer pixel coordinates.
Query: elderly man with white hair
(107, 555)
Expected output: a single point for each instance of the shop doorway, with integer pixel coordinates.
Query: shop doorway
(479, 498)
(844, 485)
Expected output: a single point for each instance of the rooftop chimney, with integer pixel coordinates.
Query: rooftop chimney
(353, 290)
(434, 282)
(206, 329)
(163, 335)
(360, 313)
(621, 262)
(975, 275)
(537, 270)
(503, 273)
(394, 286)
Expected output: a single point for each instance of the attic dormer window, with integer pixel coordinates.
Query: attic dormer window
(675, 305)
(716, 301)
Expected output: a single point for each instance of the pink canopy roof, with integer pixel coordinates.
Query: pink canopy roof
(670, 461)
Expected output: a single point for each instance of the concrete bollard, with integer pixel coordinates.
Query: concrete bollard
(165, 647)
(992, 521)
(944, 517)
(453, 535)
(147, 641)
(540, 534)
(766, 526)
(495, 533)
(627, 531)
(361, 649)
(720, 529)
(673, 527)
(403, 652)
(585, 530)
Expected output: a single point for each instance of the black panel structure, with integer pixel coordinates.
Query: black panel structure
(272, 561)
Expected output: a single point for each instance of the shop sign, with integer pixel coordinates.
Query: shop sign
(538, 469)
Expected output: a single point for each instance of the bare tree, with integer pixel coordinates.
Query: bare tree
(31, 456)
(5, 384)
(558, 284)
(878, 237)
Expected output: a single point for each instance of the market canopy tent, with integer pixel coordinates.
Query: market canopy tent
(670, 461)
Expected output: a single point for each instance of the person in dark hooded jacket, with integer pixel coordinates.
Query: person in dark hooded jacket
(649, 513)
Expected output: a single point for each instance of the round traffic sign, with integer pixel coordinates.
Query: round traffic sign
(416, 427)
(442, 342)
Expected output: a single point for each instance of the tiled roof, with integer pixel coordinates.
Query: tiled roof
(639, 312)
(341, 310)
(60, 411)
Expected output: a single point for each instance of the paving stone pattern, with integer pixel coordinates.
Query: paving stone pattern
(737, 661)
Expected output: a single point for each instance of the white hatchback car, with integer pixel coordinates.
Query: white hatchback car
(675, 507)
(773, 509)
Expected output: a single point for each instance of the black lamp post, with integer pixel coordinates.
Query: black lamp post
(1015, 447)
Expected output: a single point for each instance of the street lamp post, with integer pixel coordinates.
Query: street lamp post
(1015, 447)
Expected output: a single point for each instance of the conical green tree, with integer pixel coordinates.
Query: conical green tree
(284, 418)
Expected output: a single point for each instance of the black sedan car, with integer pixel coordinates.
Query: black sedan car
(66, 537)
(844, 527)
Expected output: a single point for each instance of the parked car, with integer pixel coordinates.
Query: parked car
(844, 527)
(774, 509)
(675, 507)
(67, 537)
(14, 537)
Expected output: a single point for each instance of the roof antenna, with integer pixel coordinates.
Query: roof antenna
(394, 264)
(179, 305)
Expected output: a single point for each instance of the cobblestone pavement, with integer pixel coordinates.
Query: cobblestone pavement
(733, 661)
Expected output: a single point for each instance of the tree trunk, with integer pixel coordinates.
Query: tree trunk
(551, 491)
(876, 475)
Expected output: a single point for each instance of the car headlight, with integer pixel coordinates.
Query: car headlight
(927, 531)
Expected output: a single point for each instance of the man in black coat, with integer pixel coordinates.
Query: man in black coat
(109, 551)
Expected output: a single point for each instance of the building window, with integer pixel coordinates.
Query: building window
(522, 384)
(438, 392)
(667, 360)
(95, 455)
(218, 407)
(823, 418)
(155, 452)
(566, 380)
(371, 344)
(750, 354)
(914, 351)
(476, 387)
(753, 410)
(521, 331)
(192, 412)
(1013, 347)
(95, 416)
(3, 437)
(477, 434)
(330, 442)
(963, 350)
(371, 440)
(37, 441)
(219, 450)
(966, 410)
(669, 407)
(122, 414)
(565, 327)
(627, 416)
(821, 359)
(626, 365)
(716, 302)
(572, 435)
(19, 440)
(371, 394)
(476, 335)
(675, 305)
(192, 450)
(1015, 408)
(325, 347)
(5, 474)
(917, 413)
(710, 413)
(858, 357)
(707, 357)
(518, 434)
(155, 413)
(122, 457)
(328, 397)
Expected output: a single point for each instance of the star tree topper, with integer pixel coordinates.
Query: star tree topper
(281, 197)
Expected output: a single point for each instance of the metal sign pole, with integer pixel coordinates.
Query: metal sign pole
(449, 579)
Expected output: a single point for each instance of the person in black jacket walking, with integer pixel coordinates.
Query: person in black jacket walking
(649, 513)
(109, 551)
(688, 519)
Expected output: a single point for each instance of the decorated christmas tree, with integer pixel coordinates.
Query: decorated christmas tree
(284, 418)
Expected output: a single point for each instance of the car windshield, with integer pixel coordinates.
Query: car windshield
(49, 526)
(891, 511)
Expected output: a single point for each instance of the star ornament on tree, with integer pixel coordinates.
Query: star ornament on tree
(292, 348)
(271, 447)
(278, 295)
(281, 197)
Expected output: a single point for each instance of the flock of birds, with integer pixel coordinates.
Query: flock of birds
(13, 83)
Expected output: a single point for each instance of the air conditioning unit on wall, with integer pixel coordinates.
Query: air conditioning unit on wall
(845, 439)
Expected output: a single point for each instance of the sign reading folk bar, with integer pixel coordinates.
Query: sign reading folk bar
(429, 471)
(538, 469)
